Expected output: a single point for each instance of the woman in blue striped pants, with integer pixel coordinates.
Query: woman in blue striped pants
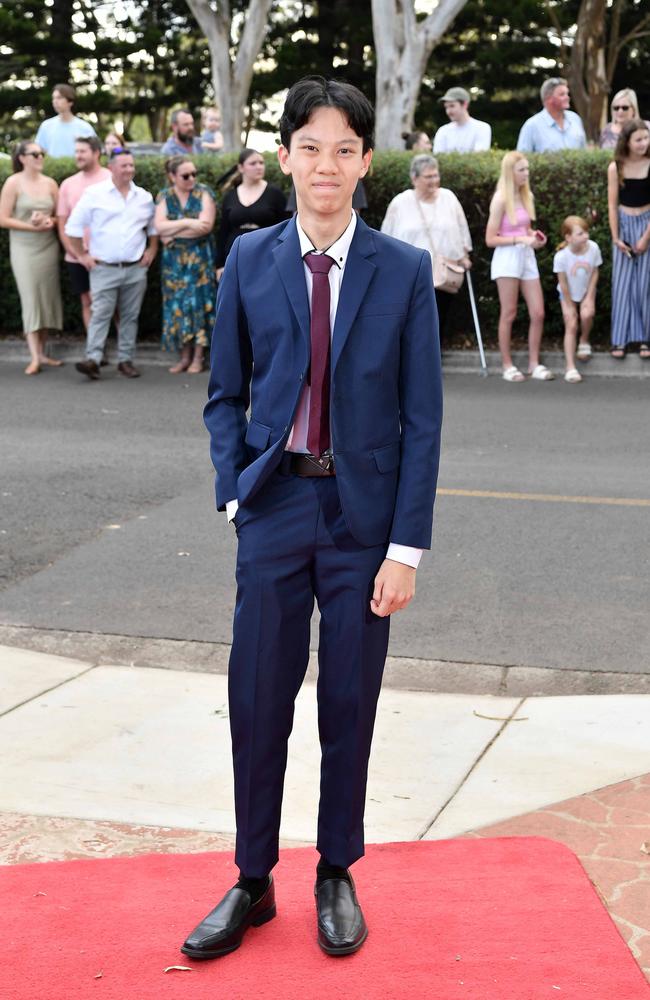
(628, 198)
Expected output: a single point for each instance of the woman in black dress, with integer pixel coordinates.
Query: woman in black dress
(252, 204)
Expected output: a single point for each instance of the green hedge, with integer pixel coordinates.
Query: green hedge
(571, 183)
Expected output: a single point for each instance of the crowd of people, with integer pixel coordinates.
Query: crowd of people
(111, 230)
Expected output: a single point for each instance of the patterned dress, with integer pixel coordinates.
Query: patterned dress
(187, 278)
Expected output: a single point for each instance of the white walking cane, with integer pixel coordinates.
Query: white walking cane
(479, 339)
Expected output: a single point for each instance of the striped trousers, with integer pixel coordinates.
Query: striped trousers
(631, 285)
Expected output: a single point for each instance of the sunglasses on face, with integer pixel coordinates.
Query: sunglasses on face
(186, 177)
(37, 156)
(620, 107)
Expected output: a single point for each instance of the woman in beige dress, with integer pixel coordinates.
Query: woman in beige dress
(27, 207)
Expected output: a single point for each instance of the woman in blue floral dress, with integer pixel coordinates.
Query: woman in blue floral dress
(185, 214)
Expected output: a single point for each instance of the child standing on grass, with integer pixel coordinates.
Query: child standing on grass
(576, 264)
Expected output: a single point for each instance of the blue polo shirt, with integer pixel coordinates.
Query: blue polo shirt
(542, 134)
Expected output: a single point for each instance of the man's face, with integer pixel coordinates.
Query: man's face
(183, 128)
(559, 99)
(84, 156)
(325, 160)
(455, 110)
(122, 168)
(60, 103)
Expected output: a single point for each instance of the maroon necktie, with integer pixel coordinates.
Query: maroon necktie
(318, 429)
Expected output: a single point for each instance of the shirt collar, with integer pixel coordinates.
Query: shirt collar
(112, 186)
(338, 251)
(550, 120)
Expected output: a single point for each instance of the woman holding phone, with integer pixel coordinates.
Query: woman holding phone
(628, 203)
(511, 234)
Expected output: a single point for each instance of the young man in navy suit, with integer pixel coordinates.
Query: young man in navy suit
(328, 331)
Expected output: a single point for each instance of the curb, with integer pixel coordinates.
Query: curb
(13, 349)
(402, 673)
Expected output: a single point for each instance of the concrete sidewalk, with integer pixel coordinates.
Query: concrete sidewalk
(117, 759)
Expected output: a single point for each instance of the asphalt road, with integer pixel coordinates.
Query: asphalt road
(107, 519)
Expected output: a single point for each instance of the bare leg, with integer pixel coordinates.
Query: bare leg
(43, 358)
(34, 344)
(534, 297)
(184, 363)
(508, 289)
(86, 302)
(587, 313)
(197, 361)
(570, 315)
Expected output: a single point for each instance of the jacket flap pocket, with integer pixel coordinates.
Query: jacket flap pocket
(387, 458)
(257, 435)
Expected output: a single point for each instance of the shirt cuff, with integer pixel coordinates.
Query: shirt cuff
(404, 554)
(232, 506)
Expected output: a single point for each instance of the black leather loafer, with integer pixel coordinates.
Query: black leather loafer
(341, 927)
(224, 927)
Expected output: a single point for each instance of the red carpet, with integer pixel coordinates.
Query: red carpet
(503, 919)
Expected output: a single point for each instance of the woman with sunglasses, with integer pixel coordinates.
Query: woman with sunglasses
(185, 214)
(27, 209)
(624, 108)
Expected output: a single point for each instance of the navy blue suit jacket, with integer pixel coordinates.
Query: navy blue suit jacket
(386, 393)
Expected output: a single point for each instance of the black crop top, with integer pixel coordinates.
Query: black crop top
(635, 193)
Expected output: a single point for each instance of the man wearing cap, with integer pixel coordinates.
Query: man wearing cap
(463, 134)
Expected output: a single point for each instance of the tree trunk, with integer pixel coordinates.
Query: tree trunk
(231, 80)
(586, 70)
(57, 69)
(402, 49)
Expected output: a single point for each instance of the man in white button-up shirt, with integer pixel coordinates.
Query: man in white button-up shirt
(117, 214)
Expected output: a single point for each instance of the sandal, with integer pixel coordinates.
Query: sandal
(542, 373)
(617, 352)
(644, 351)
(196, 368)
(512, 374)
(33, 368)
(572, 375)
(584, 352)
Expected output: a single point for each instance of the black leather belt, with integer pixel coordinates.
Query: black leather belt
(119, 263)
(297, 464)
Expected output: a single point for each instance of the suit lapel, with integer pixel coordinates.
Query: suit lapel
(358, 275)
(292, 272)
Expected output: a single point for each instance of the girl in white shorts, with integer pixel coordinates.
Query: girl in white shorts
(514, 268)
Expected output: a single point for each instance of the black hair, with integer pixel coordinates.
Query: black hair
(314, 92)
(410, 139)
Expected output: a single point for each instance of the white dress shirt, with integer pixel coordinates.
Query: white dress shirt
(117, 226)
(297, 440)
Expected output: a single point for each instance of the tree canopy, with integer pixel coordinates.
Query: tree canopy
(136, 61)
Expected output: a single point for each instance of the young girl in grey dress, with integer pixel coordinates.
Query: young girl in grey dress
(27, 207)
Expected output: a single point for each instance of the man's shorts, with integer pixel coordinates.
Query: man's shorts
(79, 279)
(514, 262)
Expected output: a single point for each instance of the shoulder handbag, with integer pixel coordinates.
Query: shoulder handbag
(448, 275)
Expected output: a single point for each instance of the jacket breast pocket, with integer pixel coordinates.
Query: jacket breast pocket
(258, 435)
(387, 458)
(386, 309)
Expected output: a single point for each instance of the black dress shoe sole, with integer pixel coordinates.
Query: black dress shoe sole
(201, 953)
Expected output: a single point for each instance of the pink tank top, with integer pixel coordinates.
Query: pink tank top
(521, 226)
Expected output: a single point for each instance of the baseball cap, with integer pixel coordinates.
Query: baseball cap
(455, 94)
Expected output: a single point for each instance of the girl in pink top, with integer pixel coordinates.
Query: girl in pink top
(514, 268)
